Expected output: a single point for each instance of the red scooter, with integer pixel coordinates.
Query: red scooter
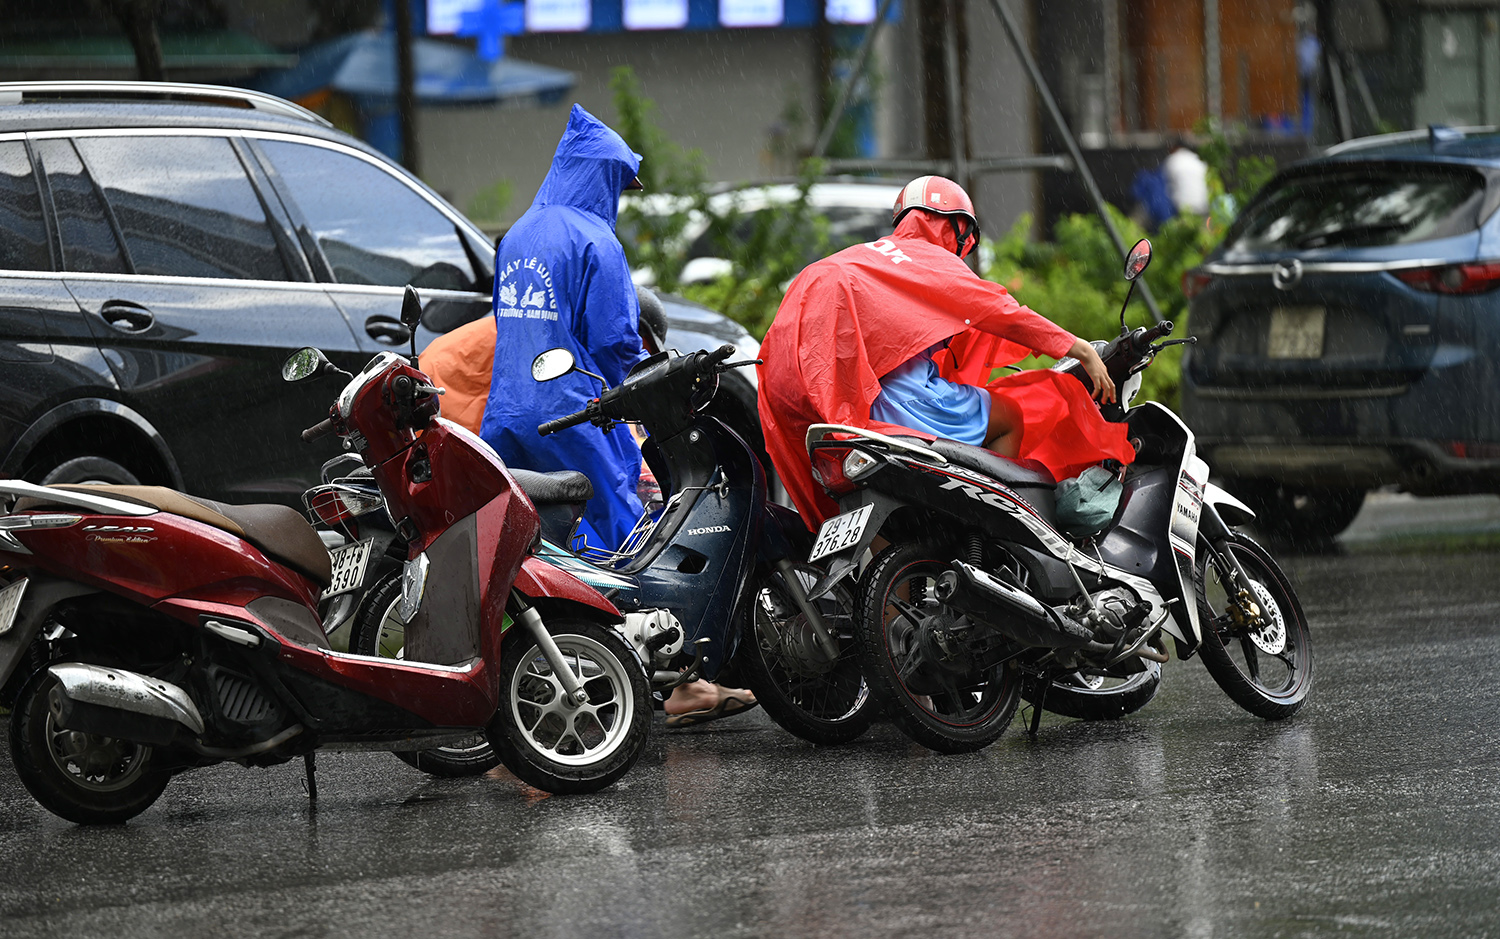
(162, 632)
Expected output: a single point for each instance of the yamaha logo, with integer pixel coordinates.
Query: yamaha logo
(708, 530)
(1287, 274)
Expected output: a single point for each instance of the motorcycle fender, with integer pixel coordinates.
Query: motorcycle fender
(539, 580)
(1238, 512)
(42, 594)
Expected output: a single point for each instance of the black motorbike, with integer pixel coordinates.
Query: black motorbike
(713, 579)
(980, 597)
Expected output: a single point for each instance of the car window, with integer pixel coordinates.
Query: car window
(849, 225)
(184, 206)
(372, 227)
(1359, 207)
(23, 234)
(88, 242)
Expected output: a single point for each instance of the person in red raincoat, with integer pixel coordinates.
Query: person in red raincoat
(880, 325)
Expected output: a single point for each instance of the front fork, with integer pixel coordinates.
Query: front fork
(525, 614)
(1244, 612)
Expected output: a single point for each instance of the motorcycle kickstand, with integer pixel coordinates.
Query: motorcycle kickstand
(1036, 708)
(310, 766)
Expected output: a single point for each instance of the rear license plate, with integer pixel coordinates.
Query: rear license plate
(348, 567)
(1296, 333)
(10, 604)
(840, 532)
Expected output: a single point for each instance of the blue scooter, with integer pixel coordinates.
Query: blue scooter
(716, 577)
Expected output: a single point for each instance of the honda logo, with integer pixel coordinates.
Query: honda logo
(1287, 274)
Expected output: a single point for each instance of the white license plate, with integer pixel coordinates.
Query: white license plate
(1296, 332)
(840, 532)
(10, 604)
(348, 567)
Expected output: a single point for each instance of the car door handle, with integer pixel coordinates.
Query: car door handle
(127, 317)
(387, 330)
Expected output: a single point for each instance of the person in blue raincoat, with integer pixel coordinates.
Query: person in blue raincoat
(561, 280)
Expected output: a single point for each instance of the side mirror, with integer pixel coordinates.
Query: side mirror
(304, 363)
(554, 363)
(411, 309)
(1136, 261)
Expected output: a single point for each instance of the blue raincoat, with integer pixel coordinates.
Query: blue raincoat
(561, 280)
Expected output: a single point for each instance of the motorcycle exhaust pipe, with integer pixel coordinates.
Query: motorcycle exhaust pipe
(113, 702)
(1012, 612)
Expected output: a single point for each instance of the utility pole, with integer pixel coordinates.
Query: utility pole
(406, 85)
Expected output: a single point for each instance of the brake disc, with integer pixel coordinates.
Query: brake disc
(1270, 636)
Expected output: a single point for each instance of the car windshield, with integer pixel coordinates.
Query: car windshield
(847, 225)
(1360, 207)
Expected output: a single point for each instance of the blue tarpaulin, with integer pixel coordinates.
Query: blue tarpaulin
(363, 65)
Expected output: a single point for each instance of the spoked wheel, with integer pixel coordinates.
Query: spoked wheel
(1098, 697)
(84, 778)
(554, 744)
(1265, 666)
(925, 689)
(377, 631)
(820, 698)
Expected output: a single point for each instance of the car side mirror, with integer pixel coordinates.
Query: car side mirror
(554, 363)
(304, 363)
(1138, 259)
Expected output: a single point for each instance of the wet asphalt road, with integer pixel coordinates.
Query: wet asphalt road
(1375, 812)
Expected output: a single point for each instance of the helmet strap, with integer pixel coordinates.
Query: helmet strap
(961, 235)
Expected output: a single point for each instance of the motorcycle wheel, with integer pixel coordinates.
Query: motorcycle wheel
(84, 778)
(970, 712)
(1267, 671)
(822, 701)
(1095, 698)
(377, 631)
(563, 749)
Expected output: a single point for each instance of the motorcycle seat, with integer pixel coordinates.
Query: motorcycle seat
(1030, 480)
(279, 532)
(565, 487)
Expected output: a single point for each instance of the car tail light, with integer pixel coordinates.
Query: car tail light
(1479, 277)
(1195, 282)
(1472, 450)
(828, 469)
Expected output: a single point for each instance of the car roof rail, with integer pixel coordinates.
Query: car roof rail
(146, 92)
(1409, 136)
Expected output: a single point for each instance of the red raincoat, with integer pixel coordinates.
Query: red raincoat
(851, 318)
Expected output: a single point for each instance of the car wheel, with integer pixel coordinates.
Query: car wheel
(89, 469)
(1300, 514)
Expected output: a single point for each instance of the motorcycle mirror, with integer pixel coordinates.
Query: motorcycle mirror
(554, 363)
(411, 308)
(1136, 261)
(304, 363)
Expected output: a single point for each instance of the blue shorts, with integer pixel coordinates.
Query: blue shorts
(914, 395)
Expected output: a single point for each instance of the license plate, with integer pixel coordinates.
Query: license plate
(840, 532)
(1296, 333)
(10, 604)
(348, 567)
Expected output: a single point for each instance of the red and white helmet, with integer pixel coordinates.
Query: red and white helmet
(941, 196)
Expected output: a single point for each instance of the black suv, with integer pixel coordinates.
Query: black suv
(163, 247)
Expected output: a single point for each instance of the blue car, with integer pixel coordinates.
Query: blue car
(1348, 331)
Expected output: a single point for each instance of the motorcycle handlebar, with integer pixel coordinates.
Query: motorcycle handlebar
(563, 423)
(321, 429)
(711, 361)
(1164, 328)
